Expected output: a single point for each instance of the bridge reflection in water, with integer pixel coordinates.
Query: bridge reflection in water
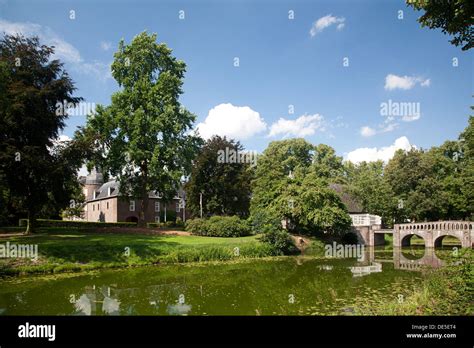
(371, 263)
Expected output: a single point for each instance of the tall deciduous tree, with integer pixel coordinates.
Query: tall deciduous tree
(223, 185)
(292, 183)
(454, 17)
(144, 134)
(31, 84)
(366, 182)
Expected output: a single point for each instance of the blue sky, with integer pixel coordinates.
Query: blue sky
(284, 64)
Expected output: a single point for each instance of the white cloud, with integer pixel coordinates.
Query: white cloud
(326, 21)
(236, 122)
(301, 127)
(404, 82)
(105, 45)
(425, 83)
(374, 154)
(63, 50)
(366, 131)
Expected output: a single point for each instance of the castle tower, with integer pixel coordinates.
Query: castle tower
(93, 182)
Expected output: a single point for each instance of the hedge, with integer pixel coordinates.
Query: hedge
(219, 226)
(167, 224)
(79, 224)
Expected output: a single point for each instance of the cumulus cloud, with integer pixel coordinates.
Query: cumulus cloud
(374, 154)
(236, 122)
(105, 45)
(367, 131)
(326, 21)
(303, 126)
(404, 82)
(63, 50)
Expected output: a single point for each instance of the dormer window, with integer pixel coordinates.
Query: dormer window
(109, 191)
(94, 194)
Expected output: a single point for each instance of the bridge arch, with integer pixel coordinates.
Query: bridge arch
(438, 242)
(406, 240)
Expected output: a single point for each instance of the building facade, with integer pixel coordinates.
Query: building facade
(104, 203)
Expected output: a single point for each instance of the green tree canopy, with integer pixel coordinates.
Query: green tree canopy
(453, 17)
(36, 170)
(143, 137)
(225, 187)
(292, 182)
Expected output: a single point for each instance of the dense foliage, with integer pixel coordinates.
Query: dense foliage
(280, 241)
(142, 138)
(419, 184)
(223, 188)
(292, 183)
(453, 17)
(219, 226)
(37, 172)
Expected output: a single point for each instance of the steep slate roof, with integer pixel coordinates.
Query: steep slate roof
(115, 191)
(351, 203)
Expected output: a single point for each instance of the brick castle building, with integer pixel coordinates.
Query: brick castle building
(104, 203)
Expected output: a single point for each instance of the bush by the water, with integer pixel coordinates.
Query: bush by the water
(219, 226)
(280, 241)
(264, 221)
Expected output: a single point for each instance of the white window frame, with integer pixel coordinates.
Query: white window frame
(157, 218)
(157, 207)
(178, 207)
(132, 205)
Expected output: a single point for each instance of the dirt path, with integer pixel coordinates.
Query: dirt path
(6, 235)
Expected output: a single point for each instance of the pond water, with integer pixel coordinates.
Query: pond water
(299, 285)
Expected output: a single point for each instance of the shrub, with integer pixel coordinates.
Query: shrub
(167, 224)
(219, 226)
(179, 222)
(281, 241)
(264, 221)
(197, 226)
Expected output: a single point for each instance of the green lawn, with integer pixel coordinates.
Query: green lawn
(68, 249)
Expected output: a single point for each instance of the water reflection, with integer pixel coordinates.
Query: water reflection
(168, 298)
(257, 287)
(409, 259)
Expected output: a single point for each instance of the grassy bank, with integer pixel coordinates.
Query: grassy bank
(444, 291)
(74, 250)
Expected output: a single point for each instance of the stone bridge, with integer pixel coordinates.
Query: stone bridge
(434, 232)
(431, 232)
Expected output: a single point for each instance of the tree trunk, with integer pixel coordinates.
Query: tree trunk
(31, 226)
(144, 194)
